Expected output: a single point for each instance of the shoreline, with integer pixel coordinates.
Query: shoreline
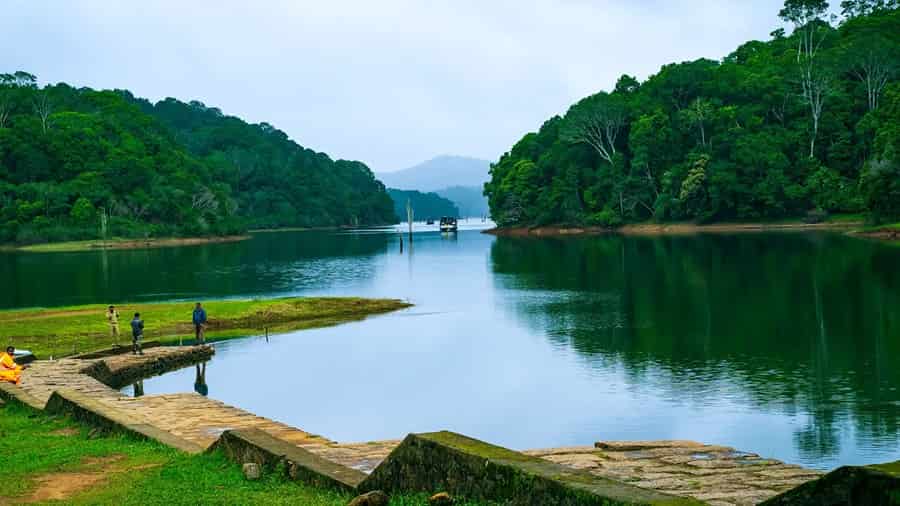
(316, 229)
(663, 229)
(122, 244)
(73, 330)
(88, 390)
(887, 233)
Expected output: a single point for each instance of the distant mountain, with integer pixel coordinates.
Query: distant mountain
(469, 199)
(425, 205)
(438, 173)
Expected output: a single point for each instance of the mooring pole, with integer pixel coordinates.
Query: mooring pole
(409, 218)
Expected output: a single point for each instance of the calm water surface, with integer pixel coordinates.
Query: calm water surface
(782, 344)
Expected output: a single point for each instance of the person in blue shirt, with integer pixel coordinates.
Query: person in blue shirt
(137, 334)
(199, 320)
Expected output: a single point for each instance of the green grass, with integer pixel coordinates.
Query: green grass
(77, 329)
(892, 468)
(37, 447)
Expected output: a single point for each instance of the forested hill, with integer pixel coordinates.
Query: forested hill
(425, 205)
(78, 163)
(807, 122)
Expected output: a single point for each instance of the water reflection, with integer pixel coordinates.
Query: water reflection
(780, 344)
(274, 263)
(798, 324)
(200, 385)
(137, 389)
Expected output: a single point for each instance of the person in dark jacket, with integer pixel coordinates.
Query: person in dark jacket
(199, 320)
(137, 334)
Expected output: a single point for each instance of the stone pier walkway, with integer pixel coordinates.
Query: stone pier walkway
(716, 474)
(190, 416)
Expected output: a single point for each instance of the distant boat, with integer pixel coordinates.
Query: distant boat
(448, 224)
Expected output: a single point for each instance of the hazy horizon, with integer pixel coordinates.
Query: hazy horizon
(392, 84)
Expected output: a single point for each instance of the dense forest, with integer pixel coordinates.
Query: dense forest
(805, 124)
(76, 163)
(425, 205)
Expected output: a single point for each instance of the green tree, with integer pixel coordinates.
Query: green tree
(815, 80)
(83, 211)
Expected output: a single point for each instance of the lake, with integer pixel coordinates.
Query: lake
(784, 344)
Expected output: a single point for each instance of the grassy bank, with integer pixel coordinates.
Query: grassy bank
(68, 330)
(119, 243)
(51, 459)
(889, 233)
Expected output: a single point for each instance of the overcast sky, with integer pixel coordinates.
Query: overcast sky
(389, 82)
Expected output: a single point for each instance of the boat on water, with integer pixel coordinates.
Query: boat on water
(448, 224)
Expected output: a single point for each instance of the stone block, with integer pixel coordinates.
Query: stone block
(271, 453)
(149, 366)
(106, 418)
(119, 349)
(471, 469)
(871, 485)
(11, 392)
(251, 471)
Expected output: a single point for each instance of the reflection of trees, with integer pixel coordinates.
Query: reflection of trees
(802, 323)
(269, 263)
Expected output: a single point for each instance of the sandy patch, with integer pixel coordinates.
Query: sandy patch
(63, 485)
(68, 431)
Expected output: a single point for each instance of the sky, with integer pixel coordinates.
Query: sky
(387, 82)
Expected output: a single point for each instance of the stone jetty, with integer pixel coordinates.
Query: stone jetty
(89, 387)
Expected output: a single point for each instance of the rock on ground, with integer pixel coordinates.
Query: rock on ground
(251, 471)
(375, 498)
(440, 499)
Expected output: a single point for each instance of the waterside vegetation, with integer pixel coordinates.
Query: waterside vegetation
(115, 243)
(803, 125)
(82, 164)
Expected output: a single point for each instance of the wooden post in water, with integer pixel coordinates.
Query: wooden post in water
(409, 218)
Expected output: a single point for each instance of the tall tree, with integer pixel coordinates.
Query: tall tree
(43, 108)
(810, 30)
(597, 122)
(698, 114)
(855, 8)
(872, 52)
(5, 106)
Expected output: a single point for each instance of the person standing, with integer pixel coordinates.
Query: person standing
(199, 319)
(113, 317)
(137, 334)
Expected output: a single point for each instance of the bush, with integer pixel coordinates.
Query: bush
(607, 218)
(880, 186)
(816, 216)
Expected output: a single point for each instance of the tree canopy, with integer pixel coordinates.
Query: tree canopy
(780, 128)
(81, 163)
